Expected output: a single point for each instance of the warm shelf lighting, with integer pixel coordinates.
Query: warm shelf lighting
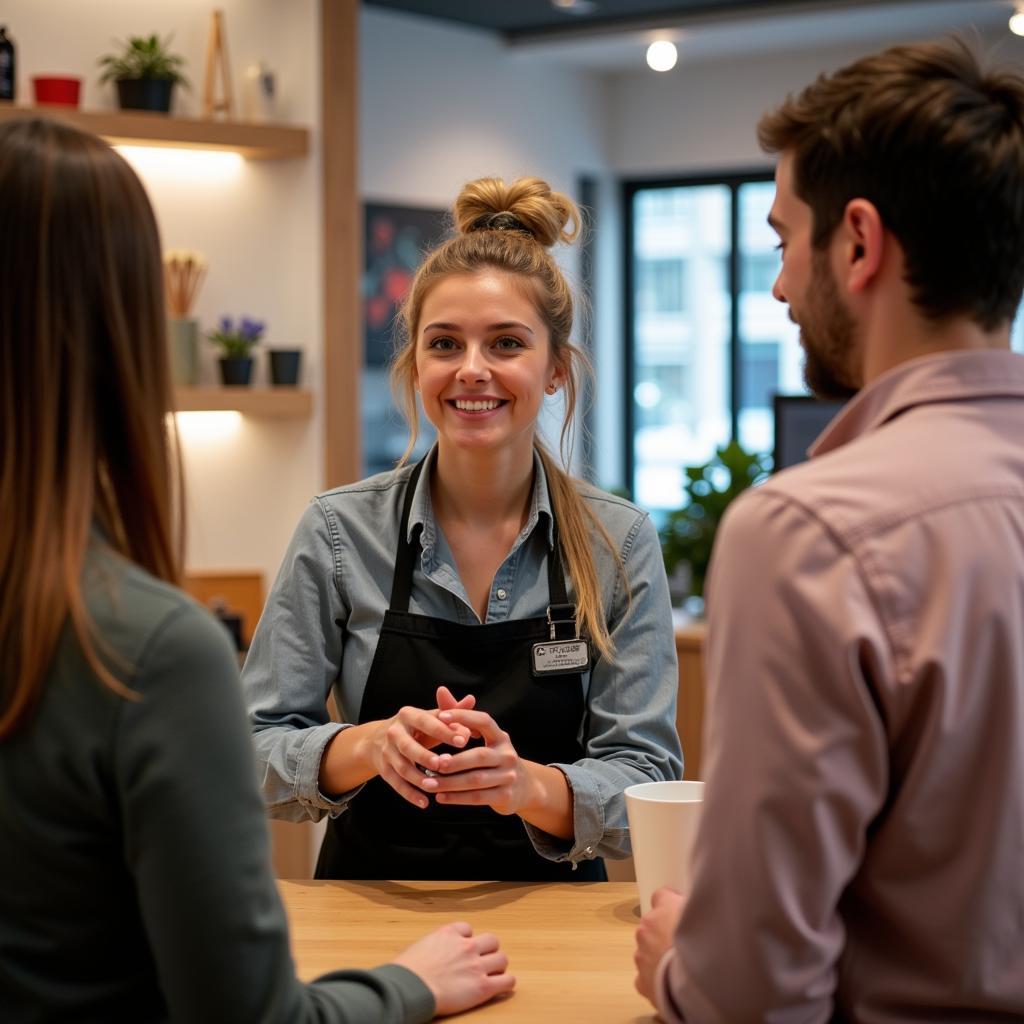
(206, 427)
(662, 55)
(189, 165)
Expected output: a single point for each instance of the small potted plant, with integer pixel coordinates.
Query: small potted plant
(236, 341)
(689, 532)
(145, 73)
(284, 366)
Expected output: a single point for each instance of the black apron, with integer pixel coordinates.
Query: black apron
(380, 835)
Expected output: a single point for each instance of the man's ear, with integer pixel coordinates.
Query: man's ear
(863, 242)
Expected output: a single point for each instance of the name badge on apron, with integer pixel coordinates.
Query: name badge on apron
(565, 651)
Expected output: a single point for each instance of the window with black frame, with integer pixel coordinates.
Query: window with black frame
(708, 345)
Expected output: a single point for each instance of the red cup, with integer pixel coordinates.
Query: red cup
(55, 89)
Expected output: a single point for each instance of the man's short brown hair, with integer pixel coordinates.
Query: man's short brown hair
(936, 143)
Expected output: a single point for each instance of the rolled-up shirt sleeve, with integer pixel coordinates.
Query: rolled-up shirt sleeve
(630, 727)
(294, 660)
(796, 770)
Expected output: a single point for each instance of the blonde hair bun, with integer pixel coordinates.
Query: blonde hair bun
(527, 205)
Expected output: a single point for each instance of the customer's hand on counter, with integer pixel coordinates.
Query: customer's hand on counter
(461, 969)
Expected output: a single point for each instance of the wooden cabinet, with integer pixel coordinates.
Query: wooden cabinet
(690, 710)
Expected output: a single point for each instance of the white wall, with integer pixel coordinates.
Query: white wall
(441, 104)
(258, 227)
(702, 116)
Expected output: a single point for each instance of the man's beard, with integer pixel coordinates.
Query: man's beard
(827, 335)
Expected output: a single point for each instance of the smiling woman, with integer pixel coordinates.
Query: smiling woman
(498, 635)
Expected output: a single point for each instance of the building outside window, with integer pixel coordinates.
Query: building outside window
(708, 346)
(770, 357)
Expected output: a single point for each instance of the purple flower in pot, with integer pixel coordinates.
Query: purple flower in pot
(236, 340)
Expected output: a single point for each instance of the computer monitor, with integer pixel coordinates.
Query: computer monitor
(799, 419)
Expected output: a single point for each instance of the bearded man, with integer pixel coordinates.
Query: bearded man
(861, 847)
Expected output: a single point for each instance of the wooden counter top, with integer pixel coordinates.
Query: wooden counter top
(570, 946)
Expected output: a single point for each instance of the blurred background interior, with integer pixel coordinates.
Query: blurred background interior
(351, 128)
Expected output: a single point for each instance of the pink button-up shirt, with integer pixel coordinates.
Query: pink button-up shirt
(861, 850)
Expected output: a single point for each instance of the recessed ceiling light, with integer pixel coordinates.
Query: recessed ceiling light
(575, 6)
(662, 55)
(1017, 21)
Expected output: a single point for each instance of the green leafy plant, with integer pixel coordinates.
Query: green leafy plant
(689, 532)
(143, 57)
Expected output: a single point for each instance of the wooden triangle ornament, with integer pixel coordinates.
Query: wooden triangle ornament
(217, 61)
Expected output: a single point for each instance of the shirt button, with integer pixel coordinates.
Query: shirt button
(502, 593)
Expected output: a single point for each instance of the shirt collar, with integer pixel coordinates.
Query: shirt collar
(943, 377)
(540, 502)
(422, 511)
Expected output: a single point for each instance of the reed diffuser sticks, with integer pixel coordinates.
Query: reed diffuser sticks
(184, 271)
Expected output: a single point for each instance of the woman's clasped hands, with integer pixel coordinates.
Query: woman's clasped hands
(491, 774)
(401, 748)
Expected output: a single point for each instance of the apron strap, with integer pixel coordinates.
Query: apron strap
(401, 583)
(409, 549)
(556, 577)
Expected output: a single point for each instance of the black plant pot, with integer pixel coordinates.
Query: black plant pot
(284, 366)
(145, 93)
(235, 372)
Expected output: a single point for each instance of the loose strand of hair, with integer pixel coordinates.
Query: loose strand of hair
(567, 444)
(575, 521)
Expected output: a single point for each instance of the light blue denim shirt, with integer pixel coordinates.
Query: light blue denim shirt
(322, 619)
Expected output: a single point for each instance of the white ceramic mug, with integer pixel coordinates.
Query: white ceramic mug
(663, 820)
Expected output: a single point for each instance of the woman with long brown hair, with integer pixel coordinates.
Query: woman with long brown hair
(498, 634)
(134, 863)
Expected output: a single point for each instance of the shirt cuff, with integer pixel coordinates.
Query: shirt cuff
(588, 820)
(666, 1005)
(418, 999)
(307, 771)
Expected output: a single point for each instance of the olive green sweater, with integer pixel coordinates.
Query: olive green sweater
(135, 879)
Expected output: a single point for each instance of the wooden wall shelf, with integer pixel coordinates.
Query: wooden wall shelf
(140, 128)
(281, 403)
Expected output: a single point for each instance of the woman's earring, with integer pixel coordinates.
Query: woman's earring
(551, 389)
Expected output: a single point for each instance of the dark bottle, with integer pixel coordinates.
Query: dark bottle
(7, 79)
